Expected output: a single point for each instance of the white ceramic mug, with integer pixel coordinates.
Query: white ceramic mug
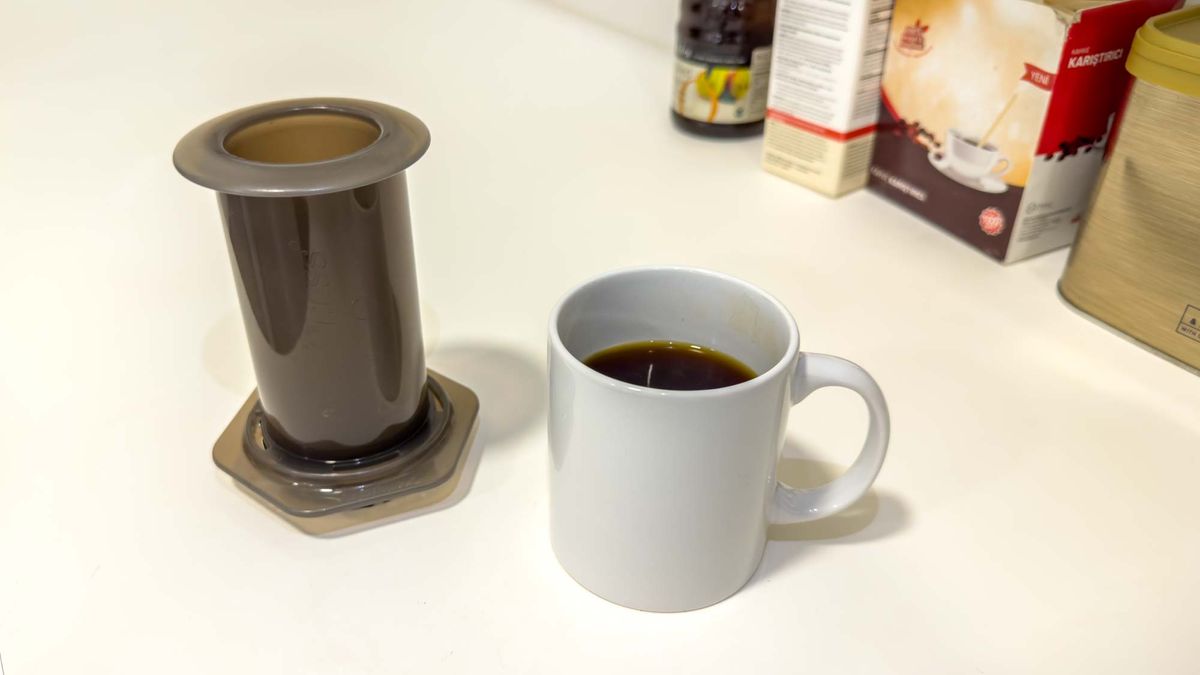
(660, 500)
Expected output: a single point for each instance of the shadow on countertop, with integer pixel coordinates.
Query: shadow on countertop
(879, 514)
(510, 384)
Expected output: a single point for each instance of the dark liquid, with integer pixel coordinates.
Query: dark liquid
(665, 364)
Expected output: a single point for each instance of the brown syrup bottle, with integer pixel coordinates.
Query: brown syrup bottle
(722, 64)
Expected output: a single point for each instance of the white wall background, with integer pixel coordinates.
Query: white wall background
(649, 20)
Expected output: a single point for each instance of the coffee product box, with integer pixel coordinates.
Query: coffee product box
(996, 114)
(823, 98)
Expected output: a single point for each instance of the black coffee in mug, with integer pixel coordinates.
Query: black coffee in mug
(667, 364)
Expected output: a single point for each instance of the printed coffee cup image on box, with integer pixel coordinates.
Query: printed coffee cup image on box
(995, 114)
(971, 162)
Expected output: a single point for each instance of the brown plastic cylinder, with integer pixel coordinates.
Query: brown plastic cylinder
(315, 206)
(328, 294)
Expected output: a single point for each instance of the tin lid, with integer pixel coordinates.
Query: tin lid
(1166, 51)
(301, 147)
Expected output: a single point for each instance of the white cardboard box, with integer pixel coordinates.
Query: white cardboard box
(824, 93)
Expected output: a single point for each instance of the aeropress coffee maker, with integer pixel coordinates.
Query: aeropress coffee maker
(347, 427)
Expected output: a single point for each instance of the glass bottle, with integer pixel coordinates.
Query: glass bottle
(722, 63)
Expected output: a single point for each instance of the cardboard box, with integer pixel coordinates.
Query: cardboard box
(996, 114)
(823, 98)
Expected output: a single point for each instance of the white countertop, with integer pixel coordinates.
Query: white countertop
(1036, 514)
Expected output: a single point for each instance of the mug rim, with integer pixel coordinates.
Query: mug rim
(578, 366)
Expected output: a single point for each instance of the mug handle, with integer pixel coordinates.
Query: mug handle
(1000, 167)
(814, 371)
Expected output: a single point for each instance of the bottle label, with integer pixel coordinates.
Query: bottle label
(723, 93)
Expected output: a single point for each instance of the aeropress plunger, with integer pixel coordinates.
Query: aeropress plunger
(346, 416)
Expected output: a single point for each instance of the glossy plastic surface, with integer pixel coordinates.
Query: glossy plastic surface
(206, 155)
(315, 205)
(328, 295)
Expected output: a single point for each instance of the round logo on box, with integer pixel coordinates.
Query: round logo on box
(991, 221)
